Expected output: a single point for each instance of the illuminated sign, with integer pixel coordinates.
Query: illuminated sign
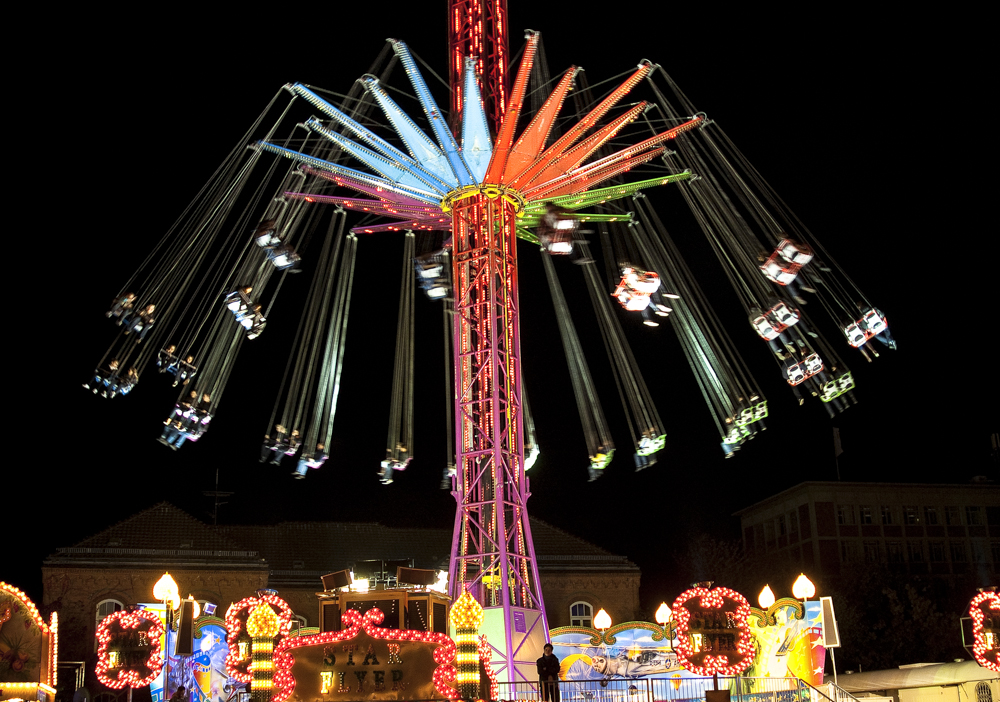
(712, 631)
(364, 661)
(985, 612)
(129, 649)
(789, 640)
(240, 630)
(28, 647)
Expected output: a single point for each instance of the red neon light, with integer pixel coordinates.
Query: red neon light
(368, 622)
(985, 630)
(584, 125)
(687, 645)
(126, 624)
(505, 137)
(572, 158)
(533, 138)
(237, 667)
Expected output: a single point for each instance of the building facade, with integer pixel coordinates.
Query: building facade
(119, 566)
(831, 527)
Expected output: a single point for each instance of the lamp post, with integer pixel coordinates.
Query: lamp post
(165, 590)
(803, 589)
(663, 617)
(602, 621)
(765, 598)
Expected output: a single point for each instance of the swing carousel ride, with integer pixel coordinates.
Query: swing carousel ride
(558, 164)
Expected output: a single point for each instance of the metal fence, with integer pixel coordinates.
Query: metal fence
(742, 689)
(583, 691)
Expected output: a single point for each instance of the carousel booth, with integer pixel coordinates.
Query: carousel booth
(411, 604)
(28, 649)
(364, 652)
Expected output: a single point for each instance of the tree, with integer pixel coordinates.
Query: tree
(888, 619)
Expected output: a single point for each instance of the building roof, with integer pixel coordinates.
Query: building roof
(161, 534)
(893, 488)
(302, 551)
(314, 548)
(930, 675)
(556, 549)
(299, 552)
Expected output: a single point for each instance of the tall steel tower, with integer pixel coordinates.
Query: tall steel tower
(489, 190)
(492, 553)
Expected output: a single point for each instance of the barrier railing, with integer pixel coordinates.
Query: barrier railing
(621, 690)
(742, 689)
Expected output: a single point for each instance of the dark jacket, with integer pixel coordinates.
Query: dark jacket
(548, 666)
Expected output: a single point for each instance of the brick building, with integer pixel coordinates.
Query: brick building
(119, 566)
(943, 530)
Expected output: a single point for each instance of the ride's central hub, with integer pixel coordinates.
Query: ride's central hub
(490, 191)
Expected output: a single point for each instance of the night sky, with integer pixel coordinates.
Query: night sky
(850, 121)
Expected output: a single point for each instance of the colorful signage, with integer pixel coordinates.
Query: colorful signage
(365, 662)
(204, 672)
(129, 649)
(28, 647)
(241, 631)
(713, 636)
(638, 652)
(789, 640)
(985, 612)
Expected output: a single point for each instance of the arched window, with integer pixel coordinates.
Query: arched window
(581, 614)
(104, 608)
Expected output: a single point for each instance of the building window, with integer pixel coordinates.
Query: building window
(782, 527)
(793, 523)
(978, 552)
(958, 552)
(937, 551)
(581, 614)
(916, 550)
(871, 552)
(866, 515)
(931, 516)
(895, 551)
(845, 514)
(974, 516)
(886, 515)
(911, 515)
(952, 516)
(104, 608)
(849, 551)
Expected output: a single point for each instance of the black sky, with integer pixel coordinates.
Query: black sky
(851, 117)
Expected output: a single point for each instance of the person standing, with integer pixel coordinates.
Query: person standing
(548, 674)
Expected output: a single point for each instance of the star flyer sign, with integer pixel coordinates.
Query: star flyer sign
(365, 662)
(985, 612)
(129, 650)
(713, 636)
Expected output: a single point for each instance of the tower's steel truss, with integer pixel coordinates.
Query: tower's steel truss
(478, 28)
(492, 552)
